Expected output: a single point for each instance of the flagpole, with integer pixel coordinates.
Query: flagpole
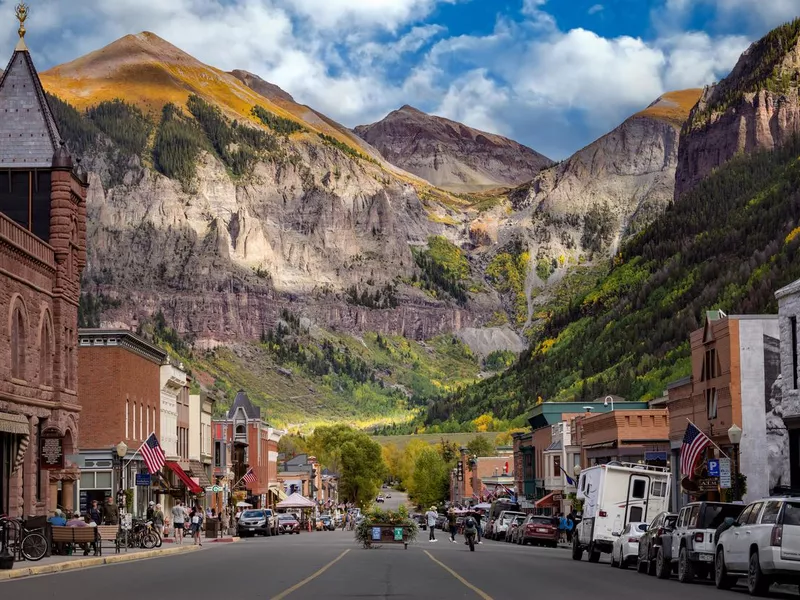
(139, 450)
(709, 439)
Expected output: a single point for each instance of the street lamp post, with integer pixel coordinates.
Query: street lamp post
(735, 436)
(607, 400)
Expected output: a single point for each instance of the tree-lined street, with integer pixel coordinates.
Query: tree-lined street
(333, 566)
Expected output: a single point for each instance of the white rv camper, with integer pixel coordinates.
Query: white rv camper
(614, 495)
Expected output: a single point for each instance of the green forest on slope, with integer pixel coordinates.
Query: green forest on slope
(730, 243)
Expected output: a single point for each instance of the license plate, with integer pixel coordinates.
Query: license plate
(706, 557)
(252, 529)
(541, 530)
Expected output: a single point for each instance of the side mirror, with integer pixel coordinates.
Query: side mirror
(615, 533)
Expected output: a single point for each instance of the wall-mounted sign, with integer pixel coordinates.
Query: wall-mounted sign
(725, 473)
(708, 484)
(143, 479)
(51, 449)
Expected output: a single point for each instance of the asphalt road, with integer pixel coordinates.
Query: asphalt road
(312, 566)
(393, 503)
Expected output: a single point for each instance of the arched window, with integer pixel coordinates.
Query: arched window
(133, 431)
(18, 343)
(127, 417)
(46, 353)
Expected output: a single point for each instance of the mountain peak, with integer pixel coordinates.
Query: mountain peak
(449, 154)
(673, 107)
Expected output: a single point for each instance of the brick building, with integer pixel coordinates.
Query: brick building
(629, 436)
(242, 440)
(120, 383)
(735, 380)
(42, 255)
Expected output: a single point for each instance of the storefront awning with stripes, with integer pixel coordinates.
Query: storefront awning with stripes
(278, 493)
(18, 426)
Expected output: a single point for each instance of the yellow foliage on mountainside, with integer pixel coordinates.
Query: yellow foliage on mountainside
(673, 106)
(147, 71)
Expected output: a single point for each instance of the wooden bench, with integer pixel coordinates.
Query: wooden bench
(75, 536)
(108, 533)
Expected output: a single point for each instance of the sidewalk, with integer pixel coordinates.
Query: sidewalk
(58, 564)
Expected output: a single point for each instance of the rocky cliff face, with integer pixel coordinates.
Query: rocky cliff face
(755, 108)
(317, 217)
(451, 155)
(609, 189)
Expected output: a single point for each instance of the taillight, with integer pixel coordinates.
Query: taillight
(698, 537)
(777, 536)
(633, 540)
(603, 513)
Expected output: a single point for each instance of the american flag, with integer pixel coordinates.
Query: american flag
(250, 476)
(694, 442)
(153, 454)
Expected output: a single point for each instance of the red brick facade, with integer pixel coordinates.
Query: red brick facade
(120, 389)
(42, 255)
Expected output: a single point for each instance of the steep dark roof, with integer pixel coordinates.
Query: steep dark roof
(243, 401)
(29, 136)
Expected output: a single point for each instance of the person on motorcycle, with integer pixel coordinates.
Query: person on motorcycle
(470, 528)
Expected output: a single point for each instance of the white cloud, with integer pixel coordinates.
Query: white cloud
(388, 14)
(756, 16)
(595, 9)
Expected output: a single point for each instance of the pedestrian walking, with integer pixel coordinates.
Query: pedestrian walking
(197, 524)
(430, 517)
(345, 520)
(562, 527)
(96, 513)
(151, 508)
(178, 519)
(479, 526)
(451, 524)
(110, 512)
(570, 525)
(158, 519)
(225, 520)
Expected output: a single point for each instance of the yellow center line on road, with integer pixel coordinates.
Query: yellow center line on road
(311, 577)
(477, 590)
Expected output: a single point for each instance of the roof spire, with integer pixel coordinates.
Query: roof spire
(22, 15)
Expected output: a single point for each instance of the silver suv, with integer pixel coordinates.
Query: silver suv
(763, 544)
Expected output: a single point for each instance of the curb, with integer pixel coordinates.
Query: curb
(226, 540)
(91, 562)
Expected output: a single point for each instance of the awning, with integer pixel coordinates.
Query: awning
(190, 485)
(296, 501)
(18, 426)
(195, 469)
(546, 501)
(279, 493)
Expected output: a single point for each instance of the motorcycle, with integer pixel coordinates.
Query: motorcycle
(471, 541)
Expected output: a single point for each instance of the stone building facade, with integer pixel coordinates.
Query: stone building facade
(789, 403)
(42, 255)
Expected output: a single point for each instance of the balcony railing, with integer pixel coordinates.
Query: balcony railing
(25, 241)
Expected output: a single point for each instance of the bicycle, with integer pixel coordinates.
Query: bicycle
(30, 544)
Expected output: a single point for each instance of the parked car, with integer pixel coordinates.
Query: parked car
(380, 499)
(691, 544)
(288, 523)
(422, 521)
(539, 530)
(626, 546)
(650, 542)
(502, 524)
(762, 544)
(513, 525)
(440, 521)
(254, 522)
(327, 523)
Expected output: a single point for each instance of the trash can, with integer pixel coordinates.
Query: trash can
(212, 528)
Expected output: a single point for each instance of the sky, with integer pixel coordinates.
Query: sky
(552, 74)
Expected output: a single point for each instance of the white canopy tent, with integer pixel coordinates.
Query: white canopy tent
(296, 500)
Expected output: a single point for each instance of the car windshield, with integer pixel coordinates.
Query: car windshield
(252, 514)
(715, 514)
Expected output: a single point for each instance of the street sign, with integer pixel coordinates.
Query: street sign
(725, 473)
(398, 534)
(376, 534)
(214, 489)
(713, 468)
(143, 479)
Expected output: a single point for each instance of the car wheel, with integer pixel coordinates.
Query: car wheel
(685, 570)
(594, 555)
(641, 566)
(651, 564)
(757, 582)
(622, 564)
(722, 580)
(613, 562)
(663, 566)
(577, 551)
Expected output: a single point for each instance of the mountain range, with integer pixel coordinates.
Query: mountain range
(266, 242)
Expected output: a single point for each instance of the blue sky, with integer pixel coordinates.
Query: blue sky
(553, 74)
